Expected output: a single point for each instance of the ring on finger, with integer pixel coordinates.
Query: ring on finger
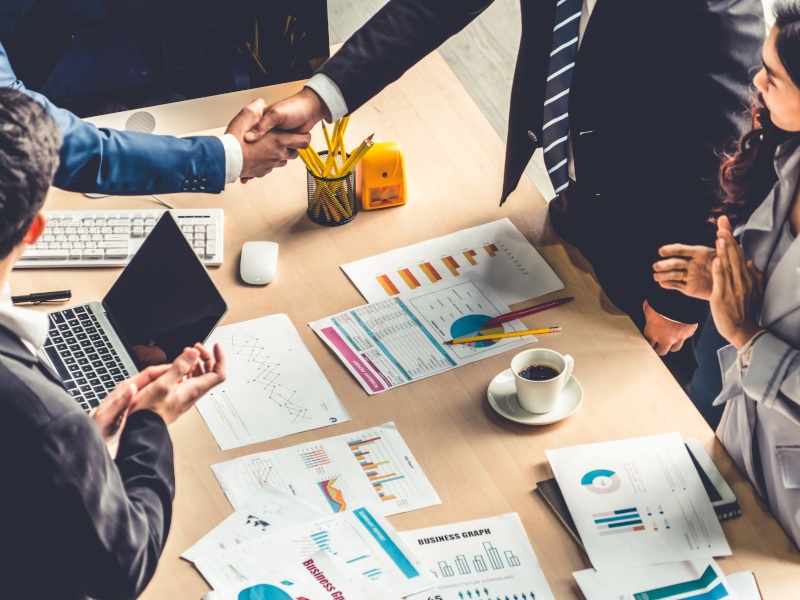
(685, 275)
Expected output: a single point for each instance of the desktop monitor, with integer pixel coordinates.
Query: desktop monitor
(163, 66)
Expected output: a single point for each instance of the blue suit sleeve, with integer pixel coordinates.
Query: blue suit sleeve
(126, 162)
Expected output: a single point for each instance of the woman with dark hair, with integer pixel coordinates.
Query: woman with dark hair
(754, 286)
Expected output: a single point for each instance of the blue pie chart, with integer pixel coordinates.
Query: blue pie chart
(601, 481)
(263, 591)
(470, 326)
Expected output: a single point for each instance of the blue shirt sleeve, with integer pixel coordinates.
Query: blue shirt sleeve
(109, 161)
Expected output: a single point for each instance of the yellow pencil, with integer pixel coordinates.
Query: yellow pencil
(500, 336)
(357, 155)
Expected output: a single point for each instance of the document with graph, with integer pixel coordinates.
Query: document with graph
(399, 340)
(638, 502)
(274, 387)
(336, 474)
(482, 559)
(496, 253)
(362, 542)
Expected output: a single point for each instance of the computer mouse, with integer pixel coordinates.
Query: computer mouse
(259, 262)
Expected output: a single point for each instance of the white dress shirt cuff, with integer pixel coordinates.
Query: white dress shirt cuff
(330, 94)
(233, 157)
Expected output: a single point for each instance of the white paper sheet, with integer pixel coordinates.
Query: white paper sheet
(638, 502)
(393, 342)
(744, 585)
(319, 577)
(495, 253)
(273, 387)
(268, 511)
(335, 474)
(485, 558)
(364, 541)
(691, 579)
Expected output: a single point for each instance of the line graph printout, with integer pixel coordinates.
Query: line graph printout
(401, 339)
(638, 502)
(273, 387)
(486, 558)
(495, 253)
(373, 466)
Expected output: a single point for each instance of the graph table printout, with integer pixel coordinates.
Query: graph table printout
(486, 558)
(336, 474)
(396, 341)
(638, 502)
(495, 253)
(274, 387)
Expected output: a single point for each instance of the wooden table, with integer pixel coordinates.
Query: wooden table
(480, 464)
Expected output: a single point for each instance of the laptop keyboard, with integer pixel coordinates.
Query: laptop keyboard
(81, 353)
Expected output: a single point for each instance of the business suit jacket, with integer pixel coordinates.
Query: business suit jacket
(760, 427)
(658, 87)
(127, 162)
(73, 523)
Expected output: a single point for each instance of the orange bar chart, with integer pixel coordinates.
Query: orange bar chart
(451, 264)
(409, 278)
(470, 256)
(428, 269)
(387, 285)
(490, 249)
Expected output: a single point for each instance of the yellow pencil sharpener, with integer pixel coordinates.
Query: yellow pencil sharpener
(381, 181)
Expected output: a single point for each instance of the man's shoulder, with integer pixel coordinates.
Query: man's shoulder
(28, 398)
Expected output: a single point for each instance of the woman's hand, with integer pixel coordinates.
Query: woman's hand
(737, 291)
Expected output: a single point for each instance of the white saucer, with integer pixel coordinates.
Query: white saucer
(502, 396)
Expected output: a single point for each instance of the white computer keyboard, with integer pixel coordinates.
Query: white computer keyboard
(106, 238)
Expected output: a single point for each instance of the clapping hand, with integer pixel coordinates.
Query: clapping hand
(737, 290)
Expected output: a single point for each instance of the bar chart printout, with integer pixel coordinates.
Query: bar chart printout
(685, 580)
(495, 253)
(485, 558)
(371, 467)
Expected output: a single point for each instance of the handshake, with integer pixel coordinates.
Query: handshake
(270, 136)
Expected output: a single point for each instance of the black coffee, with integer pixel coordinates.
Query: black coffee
(539, 372)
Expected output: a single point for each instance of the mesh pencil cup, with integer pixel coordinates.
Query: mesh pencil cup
(331, 200)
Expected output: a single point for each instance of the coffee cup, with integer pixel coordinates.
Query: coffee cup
(540, 375)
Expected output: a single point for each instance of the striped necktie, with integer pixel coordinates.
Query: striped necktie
(555, 127)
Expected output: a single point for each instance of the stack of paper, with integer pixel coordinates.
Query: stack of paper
(644, 518)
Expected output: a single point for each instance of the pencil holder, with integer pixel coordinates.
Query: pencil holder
(331, 200)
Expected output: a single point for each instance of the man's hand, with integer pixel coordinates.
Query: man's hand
(111, 414)
(663, 334)
(171, 390)
(298, 113)
(686, 269)
(270, 151)
(738, 292)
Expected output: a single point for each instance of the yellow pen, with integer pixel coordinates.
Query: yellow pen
(500, 336)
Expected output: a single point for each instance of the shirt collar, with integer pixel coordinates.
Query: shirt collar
(30, 325)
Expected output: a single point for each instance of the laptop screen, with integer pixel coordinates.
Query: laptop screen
(164, 300)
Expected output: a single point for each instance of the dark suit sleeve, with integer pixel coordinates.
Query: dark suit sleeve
(104, 524)
(392, 41)
(709, 76)
(127, 162)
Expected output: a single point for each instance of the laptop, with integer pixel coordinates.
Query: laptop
(163, 301)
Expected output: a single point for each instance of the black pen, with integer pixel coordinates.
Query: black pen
(59, 296)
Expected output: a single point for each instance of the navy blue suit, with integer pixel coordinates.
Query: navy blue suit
(126, 162)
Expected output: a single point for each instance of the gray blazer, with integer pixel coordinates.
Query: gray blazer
(760, 427)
